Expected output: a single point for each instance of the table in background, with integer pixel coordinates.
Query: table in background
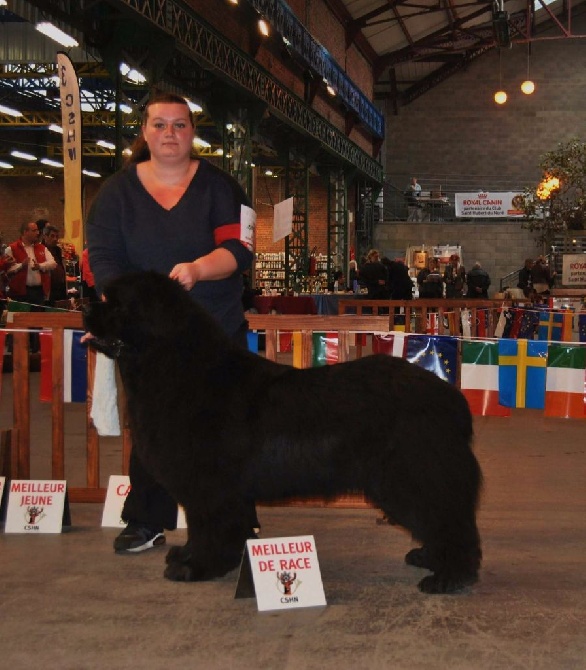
(284, 304)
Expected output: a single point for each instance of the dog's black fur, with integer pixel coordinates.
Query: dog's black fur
(216, 426)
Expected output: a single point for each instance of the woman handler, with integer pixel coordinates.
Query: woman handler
(177, 214)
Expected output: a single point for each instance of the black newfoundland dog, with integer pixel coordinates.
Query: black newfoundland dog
(217, 426)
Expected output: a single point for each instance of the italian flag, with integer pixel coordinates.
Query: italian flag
(479, 378)
(325, 349)
(564, 382)
(392, 344)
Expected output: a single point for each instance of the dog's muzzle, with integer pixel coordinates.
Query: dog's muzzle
(111, 348)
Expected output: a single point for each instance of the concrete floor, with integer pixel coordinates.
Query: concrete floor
(68, 602)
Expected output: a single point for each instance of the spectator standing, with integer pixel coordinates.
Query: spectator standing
(430, 281)
(541, 276)
(414, 206)
(478, 282)
(29, 277)
(58, 275)
(177, 214)
(526, 278)
(454, 277)
(373, 275)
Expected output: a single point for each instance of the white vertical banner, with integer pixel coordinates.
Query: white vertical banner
(72, 151)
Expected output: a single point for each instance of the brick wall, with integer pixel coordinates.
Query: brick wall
(269, 191)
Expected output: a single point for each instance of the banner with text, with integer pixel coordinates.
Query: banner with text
(72, 151)
(574, 270)
(489, 205)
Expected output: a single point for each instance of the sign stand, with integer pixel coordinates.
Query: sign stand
(282, 572)
(37, 506)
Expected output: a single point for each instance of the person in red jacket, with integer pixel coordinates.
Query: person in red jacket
(29, 277)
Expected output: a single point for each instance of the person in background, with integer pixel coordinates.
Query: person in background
(526, 279)
(173, 212)
(338, 283)
(400, 283)
(373, 275)
(478, 282)
(454, 277)
(541, 276)
(353, 275)
(29, 277)
(430, 281)
(88, 282)
(58, 274)
(414, 206)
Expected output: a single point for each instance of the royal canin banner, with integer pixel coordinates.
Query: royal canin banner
(484, 205)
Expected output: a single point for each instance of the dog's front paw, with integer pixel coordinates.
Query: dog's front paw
(446, 582)
(179, 554)
(419, 558)
(179, 572)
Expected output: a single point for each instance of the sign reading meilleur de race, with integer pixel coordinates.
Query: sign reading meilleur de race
(286, 573)
(486, 205)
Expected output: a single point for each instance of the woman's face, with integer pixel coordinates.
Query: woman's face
(168, 131)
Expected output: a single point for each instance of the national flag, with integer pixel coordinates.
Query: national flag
(392, 344)
(564, 389)
(74, 367)
(297, 342)
(501, 325)
(479, 378)
(325, 349)
(438, 354)
(481, 318)
(582, 327)
(522, 365)
(2, 343)
(555, 326)
(252, 341)
(527, 324)
(514, 330)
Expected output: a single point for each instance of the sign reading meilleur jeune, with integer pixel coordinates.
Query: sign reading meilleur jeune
(35, 506)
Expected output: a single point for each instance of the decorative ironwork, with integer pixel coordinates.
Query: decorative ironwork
(337, 222)
(217, 53)
(284, 21)
(296, 244)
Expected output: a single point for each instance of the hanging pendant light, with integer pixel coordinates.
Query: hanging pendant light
(500, 97)
(528, 86)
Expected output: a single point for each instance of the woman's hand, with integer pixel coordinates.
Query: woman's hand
(187, 274)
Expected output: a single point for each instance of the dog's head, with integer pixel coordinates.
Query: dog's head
(138, 309)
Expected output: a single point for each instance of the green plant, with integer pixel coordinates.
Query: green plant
(558, 202)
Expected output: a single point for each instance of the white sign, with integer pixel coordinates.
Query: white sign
(574, 270)
(118, 489)
(282, 219)
(35, 506)
(2, 485)
(247, 226)
(285, 572)
(489, 205)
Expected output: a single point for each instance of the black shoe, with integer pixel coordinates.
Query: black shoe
(136, 537)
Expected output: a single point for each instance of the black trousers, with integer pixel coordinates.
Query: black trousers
(148, 503)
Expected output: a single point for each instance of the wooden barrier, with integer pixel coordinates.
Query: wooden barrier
(57, 322)
(16, 443)
(420, 309)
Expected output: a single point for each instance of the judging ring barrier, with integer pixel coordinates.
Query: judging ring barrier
(16, 443)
